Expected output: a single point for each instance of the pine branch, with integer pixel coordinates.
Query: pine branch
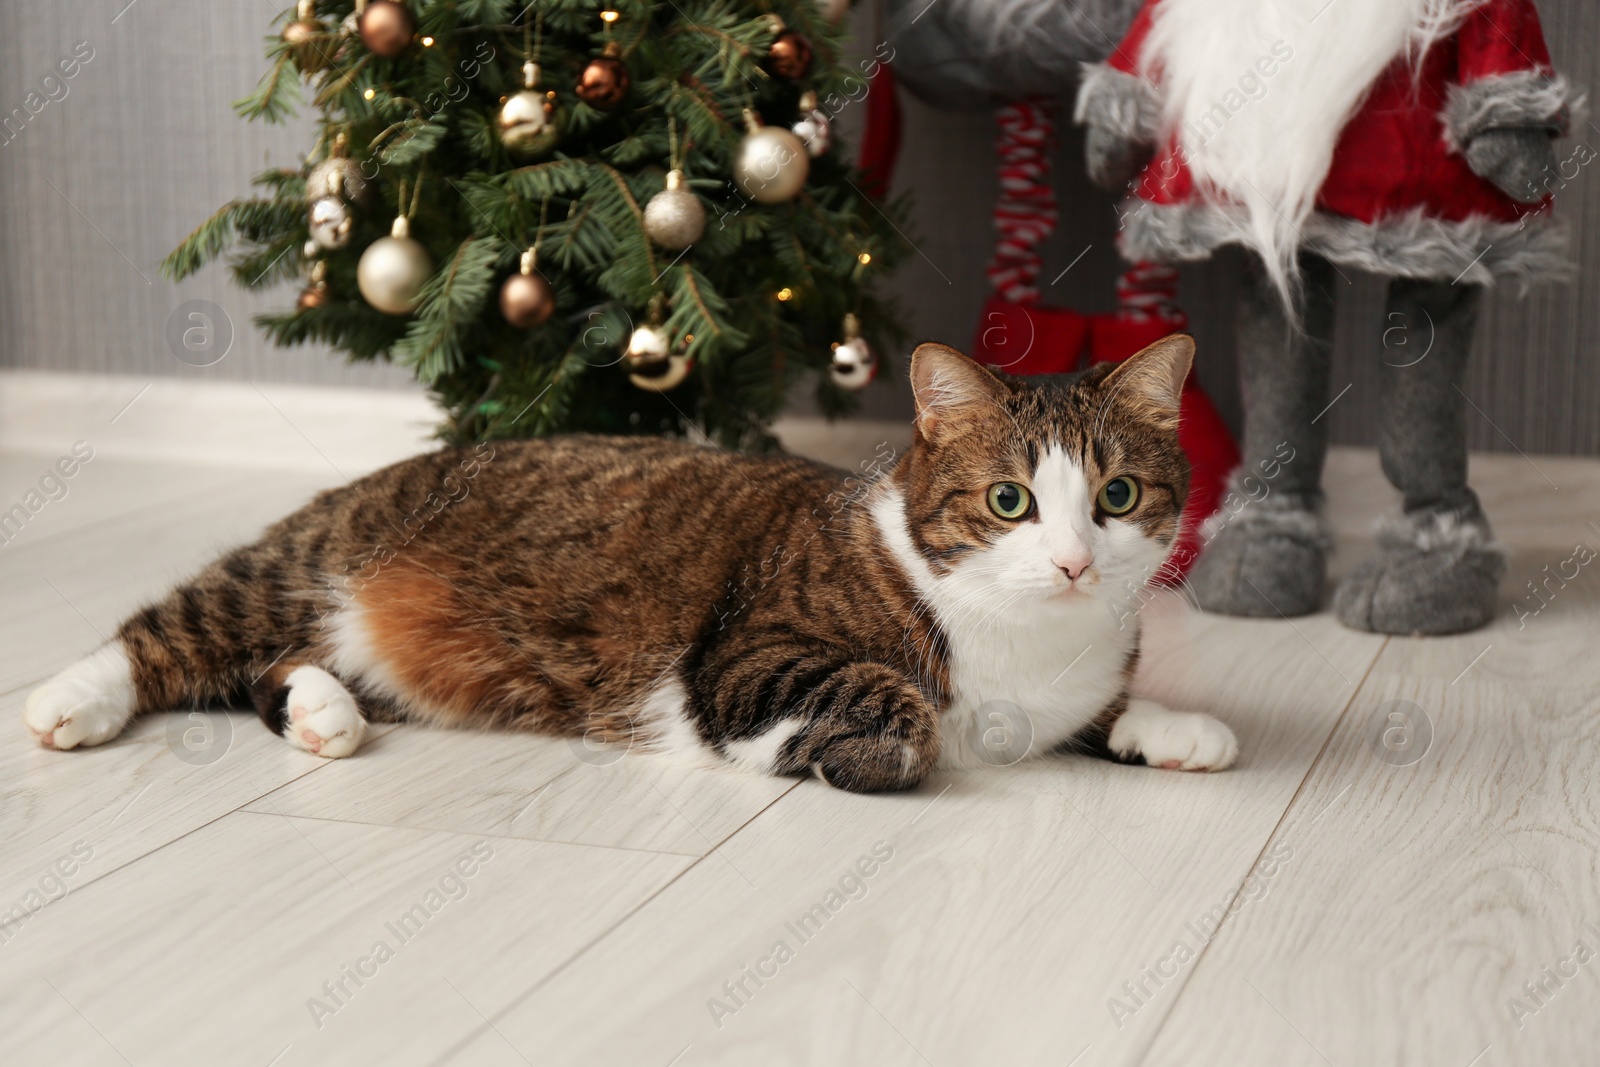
(275, 96)
(450, 299)
(695, 65)
(213, 236)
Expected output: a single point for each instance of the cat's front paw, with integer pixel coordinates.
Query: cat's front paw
(1173, 740)
(323, 718)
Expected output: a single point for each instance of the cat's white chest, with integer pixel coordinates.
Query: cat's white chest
(1025, 674)
(1020, 690)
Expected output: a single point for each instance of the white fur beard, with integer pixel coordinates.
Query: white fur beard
(1271, 153)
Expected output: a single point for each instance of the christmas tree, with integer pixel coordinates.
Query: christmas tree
(571, 216)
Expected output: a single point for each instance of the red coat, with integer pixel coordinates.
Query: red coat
(1399, 184)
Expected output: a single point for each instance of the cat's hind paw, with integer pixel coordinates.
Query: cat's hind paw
(1172, 740)
(322, 718)
(87, 704)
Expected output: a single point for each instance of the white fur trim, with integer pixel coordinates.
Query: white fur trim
(1122, 103)
(1477, 251)
(1439, 531)
(1284, 518)
(1521, 100)
(1258, 93)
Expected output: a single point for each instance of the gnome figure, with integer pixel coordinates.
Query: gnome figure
(1411, 138)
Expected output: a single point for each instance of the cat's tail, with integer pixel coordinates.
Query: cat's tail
(207, 641)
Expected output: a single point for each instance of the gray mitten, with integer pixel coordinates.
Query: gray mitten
(1518, 160)
(1113, 160)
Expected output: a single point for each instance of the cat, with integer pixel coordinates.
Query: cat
(969, 604)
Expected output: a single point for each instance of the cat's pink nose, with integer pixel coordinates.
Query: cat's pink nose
(1073, 566)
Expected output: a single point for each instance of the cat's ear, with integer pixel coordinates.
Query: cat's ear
(950, 390)
(1152, 378)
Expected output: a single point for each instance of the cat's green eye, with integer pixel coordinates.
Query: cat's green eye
(1119, 496)
(1010, 500)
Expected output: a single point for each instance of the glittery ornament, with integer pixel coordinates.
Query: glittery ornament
(674, 218)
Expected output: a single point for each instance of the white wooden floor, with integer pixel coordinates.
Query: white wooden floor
(218, 898)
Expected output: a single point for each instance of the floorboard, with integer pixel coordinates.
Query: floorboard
(1335, 900)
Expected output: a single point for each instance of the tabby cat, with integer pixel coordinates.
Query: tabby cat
(972, 602)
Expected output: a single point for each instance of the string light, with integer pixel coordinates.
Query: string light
(369, 94)
(688, 337)
(785, 293)
(427, 42)
(609, 16)
(864, 258)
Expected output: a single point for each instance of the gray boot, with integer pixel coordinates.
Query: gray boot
(1437, 567)
(1266, 552)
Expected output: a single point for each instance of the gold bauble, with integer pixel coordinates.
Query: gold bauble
(772, 165)
(648, 349)
(392, 271)
(659, 377)
(528, 124)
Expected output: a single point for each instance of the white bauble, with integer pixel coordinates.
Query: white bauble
(771, 166)
(814, 131)
(647, 346)
(330, 222)
(854, 364)
(337, 176)
(392, 271)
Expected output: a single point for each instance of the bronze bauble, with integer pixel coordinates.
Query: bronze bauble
(790, 56)
(313, 296)
(526, 300)
(386, 28)
(604, 83)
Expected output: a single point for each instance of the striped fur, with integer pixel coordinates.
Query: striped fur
(659, 594)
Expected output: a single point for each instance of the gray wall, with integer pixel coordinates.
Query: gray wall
(102, 183)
